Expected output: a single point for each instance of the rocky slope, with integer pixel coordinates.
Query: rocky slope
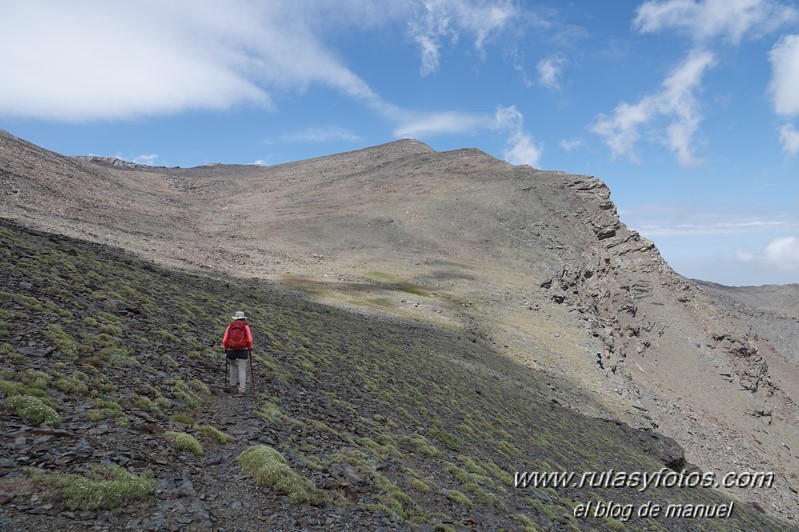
(770, 310)
(378, 424)
(533, 265)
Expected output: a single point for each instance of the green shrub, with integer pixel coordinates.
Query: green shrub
(422, 446)
(7, 351)
(447, 439)
(200, 386)
(167, 337)
(67, 346)
(144, 403)
(35, 379)
(270, 468)
(181, 390)
(180, 417)
(10, 388)
(107, 488)
(220, 436)
(419, 485)
(32, 409)
(185, 441)
(457, 496)
(106, 408)
(270, 412)
(71, 385)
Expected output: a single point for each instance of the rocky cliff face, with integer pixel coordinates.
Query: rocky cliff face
(535, 265)
(691, 367)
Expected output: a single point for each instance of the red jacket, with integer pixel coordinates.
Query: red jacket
(249, 337)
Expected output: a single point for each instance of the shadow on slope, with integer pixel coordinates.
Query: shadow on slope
(374, 422)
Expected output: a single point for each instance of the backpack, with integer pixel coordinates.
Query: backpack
(237, 336)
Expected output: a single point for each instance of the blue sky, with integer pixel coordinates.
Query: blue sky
(687, 109)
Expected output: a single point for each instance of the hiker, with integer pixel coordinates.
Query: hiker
(237, 344)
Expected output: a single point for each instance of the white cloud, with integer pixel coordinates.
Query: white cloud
(703, 20)
(259, 162)
(517, 59)
(148, 159)
(672, 220)
(549, 70)
(447, 20)
(120, 60)
(323, 134)
(571, 144)
(422, 125)
(744, 255)
(784, 86)
(521, 148)
(789, 138)
(112, 60)
(675, 101)
(781, 253)
(116, 60)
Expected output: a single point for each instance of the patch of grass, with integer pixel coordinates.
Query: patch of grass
(143, 402)
(107, 488)
(394, 283)
(422, 446)
(71, 385)
(32, 409)
(167, 337)
(419, 485)
(214, 432)
(113, 330)
(378, 449)
(414, 289)
(270, 469)
(180, 417)
(66, 345)
(10, 388)
(185, 441)
(35, 379)
(382, 276)
(360, 459)
(324, 427)
(270, 412)
(447, 439)
(200, 387)
(43, 306)
(118, 357)
(7, 351)
(394, 498)
(528, 524)
(459, 497)
(105, 409)
(182, 391)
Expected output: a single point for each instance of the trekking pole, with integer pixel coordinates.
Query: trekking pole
(252, 373)
(227, 373)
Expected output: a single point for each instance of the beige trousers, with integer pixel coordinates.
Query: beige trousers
(238, 373)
